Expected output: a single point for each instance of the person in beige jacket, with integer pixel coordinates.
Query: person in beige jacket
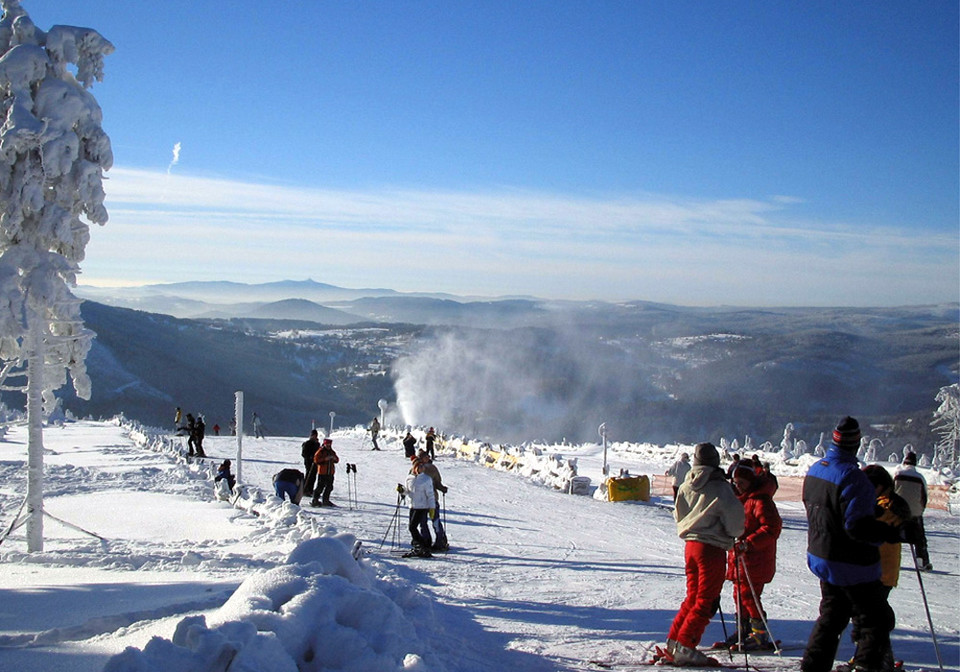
(709, 519)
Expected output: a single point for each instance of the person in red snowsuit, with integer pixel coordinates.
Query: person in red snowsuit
(757, 548)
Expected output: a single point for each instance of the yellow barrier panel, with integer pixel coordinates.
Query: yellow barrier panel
(628, 488)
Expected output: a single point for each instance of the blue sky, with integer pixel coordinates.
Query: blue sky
(700, 153)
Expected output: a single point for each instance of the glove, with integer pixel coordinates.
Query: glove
(400, 489)
(432, 513)
(443, 489)
(742, 546)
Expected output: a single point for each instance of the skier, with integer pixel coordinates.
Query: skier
(679, 471)
(409, 445)
(842, 538)
(419, 489)
(894, 510)
(430, 438)
(757, 548)
(709, 518)
(430, 469)
(257, 427)
(176, 419)
(374, 432)
(199, 431)
(191, 435)
(308, 449)
(288, 482)
(326, 460)
(912, 486)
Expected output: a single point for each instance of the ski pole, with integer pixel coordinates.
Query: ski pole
(926, 606)
(756, 600)
(393, 521)
(723, 621)
(739, 605)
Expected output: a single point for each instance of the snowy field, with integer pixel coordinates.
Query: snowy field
(536, 579)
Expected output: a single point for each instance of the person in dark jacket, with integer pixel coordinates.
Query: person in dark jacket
(199, 432)
(288, 482)
(326, 460)
(409, 445)
(709, 519)
(308, 449)
(224, 473)
(842, 537)
(375, 432)
(752, 562)
(912, 486)
(893, 510)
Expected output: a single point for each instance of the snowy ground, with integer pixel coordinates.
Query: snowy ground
(536, 579)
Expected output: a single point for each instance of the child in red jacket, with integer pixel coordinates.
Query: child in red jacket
(752, 562)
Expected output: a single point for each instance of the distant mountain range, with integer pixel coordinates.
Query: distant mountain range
(512, 369)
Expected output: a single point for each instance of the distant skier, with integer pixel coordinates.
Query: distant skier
(709, 518)
(191, 428)
(912, 486)
(177, 418)
(289, 482)
(308, 449)
(257, 427)
(431, 437)
(409, 445)
(375, 432)
(326, 460)
(199, 432)
(679, 471)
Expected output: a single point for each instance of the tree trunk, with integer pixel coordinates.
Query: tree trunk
(35, 441)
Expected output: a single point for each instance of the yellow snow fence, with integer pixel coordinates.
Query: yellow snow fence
(624, 488)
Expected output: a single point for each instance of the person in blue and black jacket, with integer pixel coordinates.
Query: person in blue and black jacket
(843, 536)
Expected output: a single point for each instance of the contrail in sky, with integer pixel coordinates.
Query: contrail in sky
(176, 157)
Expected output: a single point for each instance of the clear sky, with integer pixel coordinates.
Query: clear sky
(700, 153)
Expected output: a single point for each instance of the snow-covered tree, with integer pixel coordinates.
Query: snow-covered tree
(53, 152)
(786, 443)
(946, 423)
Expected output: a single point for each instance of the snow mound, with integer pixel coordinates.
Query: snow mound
(322, 610)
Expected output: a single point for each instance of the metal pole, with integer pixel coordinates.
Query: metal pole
(238, 417)
(602, 431)
(333, 414)
(926, 606)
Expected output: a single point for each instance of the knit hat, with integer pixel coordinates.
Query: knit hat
(745, 469)
(910, 459)
(847, 434)
(705, 454)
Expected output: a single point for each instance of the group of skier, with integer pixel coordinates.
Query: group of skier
(856, 523)
(195, 429)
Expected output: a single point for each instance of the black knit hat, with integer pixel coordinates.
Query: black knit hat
(910, 459)
(847, 434)
(706, 454)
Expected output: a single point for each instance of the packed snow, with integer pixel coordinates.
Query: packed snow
(145, 569)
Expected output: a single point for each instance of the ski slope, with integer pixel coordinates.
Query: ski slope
(536, 579)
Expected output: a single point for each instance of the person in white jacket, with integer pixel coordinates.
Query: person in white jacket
(679, 471)
(912, 486)
(420, 494)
